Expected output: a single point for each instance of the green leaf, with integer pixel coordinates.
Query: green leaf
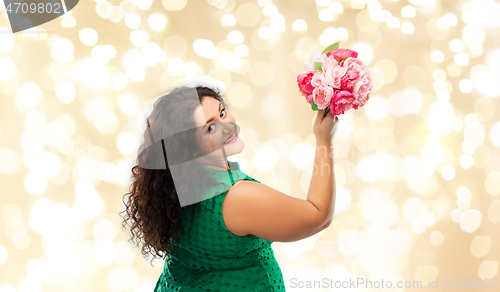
(318, 65)
(331, 48)
(313, 105)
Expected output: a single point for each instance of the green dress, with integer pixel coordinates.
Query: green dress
(211, 258)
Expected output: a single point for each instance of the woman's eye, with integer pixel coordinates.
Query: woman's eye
(209, 127)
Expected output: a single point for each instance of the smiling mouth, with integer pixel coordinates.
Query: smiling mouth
(231, 138)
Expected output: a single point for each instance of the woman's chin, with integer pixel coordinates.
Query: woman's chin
(236, 147)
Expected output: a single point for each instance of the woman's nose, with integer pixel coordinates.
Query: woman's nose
(228, 128)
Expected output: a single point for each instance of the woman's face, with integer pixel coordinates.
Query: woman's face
(215, 126)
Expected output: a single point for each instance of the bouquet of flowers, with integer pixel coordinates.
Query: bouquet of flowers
(336, 80)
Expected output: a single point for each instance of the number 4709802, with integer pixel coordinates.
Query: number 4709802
(472, 283)
(34, 8)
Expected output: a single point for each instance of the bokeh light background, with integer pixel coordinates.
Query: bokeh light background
(417, 168)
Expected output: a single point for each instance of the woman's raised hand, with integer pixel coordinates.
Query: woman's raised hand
(325, 128)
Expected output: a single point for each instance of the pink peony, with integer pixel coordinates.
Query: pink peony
(363, 86)
(309, 67)
(353, 64)
(309, 98)
(354, 77)
(342, 83)
(319, 79)
(315, 56)
(358, 79)
(342, 101)
(322, 93)
(318, 57)
(305, 86)
(342, 54)
(334, 74)
(322, 96)
(363, 100)
(322, 58)
(348, 80)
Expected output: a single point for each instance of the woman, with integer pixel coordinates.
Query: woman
(222, 241)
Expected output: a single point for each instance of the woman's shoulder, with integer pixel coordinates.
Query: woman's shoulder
(235, 165)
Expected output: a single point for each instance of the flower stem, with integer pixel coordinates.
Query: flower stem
(326, 111)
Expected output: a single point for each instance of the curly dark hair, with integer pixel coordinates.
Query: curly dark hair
(153, 210)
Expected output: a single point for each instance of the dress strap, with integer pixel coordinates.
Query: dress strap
(231, 176)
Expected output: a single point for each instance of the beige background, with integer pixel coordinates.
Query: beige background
(417, 168)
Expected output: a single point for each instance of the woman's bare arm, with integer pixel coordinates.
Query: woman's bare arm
(322, 188)
(254, 208)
